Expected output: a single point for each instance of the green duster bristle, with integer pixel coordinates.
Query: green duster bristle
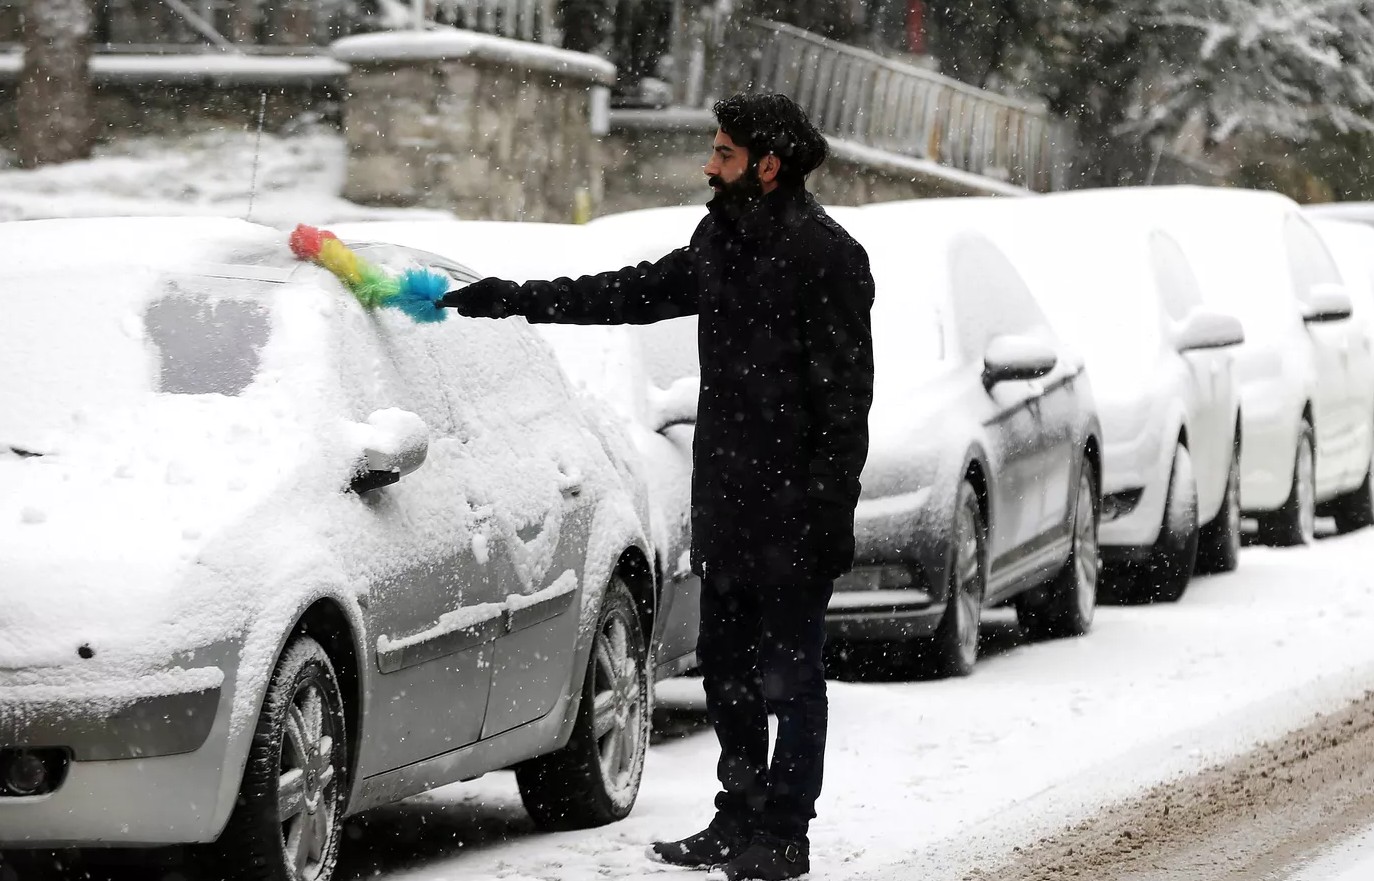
(375, 288)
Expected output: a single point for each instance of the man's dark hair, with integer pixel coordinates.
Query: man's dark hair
(765, 124)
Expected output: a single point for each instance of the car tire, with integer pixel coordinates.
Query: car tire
(594, 780)
(1065, 606)
(1219, 548)
(953, 650)
(287, 823)
(1164, 577)
(1294, 524)
(1355, 510)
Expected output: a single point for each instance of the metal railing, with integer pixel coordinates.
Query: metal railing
(857, 95)
(534, 21)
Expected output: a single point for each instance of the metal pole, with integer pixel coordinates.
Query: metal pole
(418, 6)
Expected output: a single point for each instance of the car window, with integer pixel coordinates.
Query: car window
(990, 298)
(1174, 277)
(385, 360)
(397, 258)
(1308, 258)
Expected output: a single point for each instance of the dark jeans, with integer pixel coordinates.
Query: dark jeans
(761, 651)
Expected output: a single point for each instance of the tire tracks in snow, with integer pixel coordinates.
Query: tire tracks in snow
(1251, 818)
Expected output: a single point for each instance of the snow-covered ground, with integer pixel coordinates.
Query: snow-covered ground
(297, 179)
(923, 779)
(931, 779)
(1351, 861)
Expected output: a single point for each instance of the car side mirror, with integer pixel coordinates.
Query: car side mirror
(1012, 358)
(676, 405)
(1327, 302)
(1207, 329)
(393, 443)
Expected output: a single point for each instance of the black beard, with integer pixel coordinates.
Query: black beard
(740, 195)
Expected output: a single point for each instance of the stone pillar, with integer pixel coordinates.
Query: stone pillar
(482, 126)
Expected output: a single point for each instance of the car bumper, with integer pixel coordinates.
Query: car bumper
(145, 769)
(861, 611)
(1135, 486)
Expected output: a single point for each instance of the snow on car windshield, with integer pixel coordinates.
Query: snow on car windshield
(143, 333)
(1101, 302)
(204, 344)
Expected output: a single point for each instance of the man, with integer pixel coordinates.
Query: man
(784, 296)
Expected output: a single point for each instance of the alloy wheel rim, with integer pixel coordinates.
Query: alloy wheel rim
(1085, 550)
(306, 805)
(1307, 494)
(967, 585)
(617, 705)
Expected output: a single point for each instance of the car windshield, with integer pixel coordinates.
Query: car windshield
(909, 344)
(1108, 314)
(143, 336)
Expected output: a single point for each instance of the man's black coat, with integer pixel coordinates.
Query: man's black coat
(784, 296)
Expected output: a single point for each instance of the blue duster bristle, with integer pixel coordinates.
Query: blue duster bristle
(420, 293)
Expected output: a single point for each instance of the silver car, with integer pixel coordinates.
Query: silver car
(984, 473)
(269, 559)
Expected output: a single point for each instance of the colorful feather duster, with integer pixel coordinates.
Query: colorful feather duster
(416, 292)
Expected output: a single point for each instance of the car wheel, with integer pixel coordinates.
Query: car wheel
(1355, 510)
(1170, 567)
(953, 649)
(286, 825)
(594, 780)
(1296, 522)
(1219, 548)
(1066, 606)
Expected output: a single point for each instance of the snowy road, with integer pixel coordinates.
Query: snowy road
(935, 779)
(1352, 860)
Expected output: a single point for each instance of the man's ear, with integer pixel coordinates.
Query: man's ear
(769, 166)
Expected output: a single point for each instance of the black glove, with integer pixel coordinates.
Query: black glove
(482, 299)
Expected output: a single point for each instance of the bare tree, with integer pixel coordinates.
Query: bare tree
(55, 85)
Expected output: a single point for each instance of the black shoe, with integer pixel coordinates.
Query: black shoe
(713, 846)
(770, 859)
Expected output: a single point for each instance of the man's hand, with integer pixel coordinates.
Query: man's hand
(481, 299)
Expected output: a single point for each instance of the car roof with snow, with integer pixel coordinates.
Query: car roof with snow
(1089, 269)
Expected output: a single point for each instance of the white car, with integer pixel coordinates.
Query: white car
(1124, 296)
(639, 372)
(270, 559)
(1305, 367)
(1352, 246)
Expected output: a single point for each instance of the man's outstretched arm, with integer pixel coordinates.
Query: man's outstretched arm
(639, 294)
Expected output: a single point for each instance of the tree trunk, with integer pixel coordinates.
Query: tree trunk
(55, 85)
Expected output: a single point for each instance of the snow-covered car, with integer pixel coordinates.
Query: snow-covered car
(1352, 246)
(984, 468)
(270, 559)
(1352, 212)
(632, 370)
(1305, 370)
(1121, 292)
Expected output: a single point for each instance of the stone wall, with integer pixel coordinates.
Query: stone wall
(484, 127)
(654, 158)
